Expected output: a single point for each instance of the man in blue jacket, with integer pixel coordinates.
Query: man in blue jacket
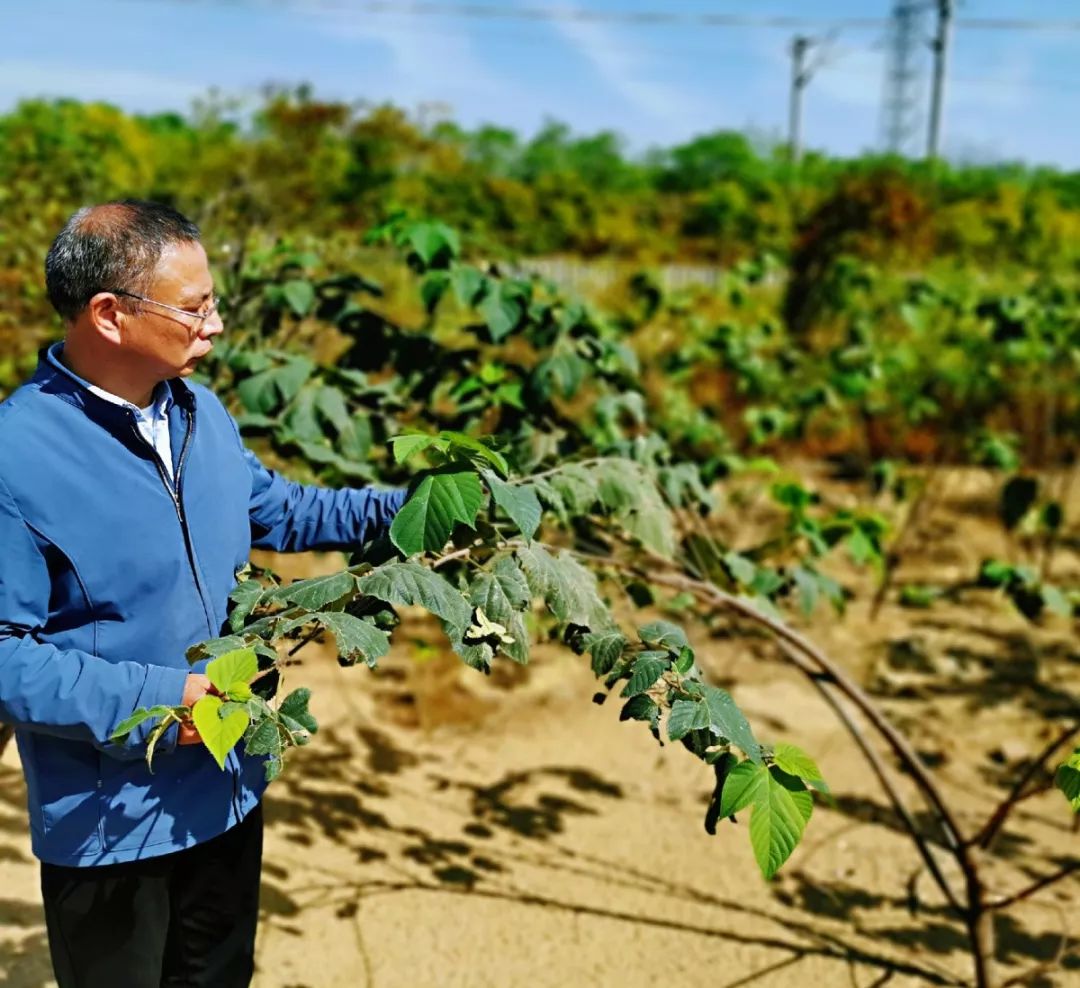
(127, 504)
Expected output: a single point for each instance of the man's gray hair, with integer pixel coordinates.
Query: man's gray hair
(115, 246)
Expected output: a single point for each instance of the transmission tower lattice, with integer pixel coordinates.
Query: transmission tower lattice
(902, 119)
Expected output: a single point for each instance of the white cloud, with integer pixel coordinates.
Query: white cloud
(622, 66)
(428, 63)
(24, 78)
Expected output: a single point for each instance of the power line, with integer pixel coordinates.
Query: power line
(646, 18)
(484, 11)
(630, 18)
(1016, 24)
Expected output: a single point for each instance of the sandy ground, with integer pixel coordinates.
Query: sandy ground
(448, 829)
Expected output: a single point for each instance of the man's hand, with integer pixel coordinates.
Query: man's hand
(196, 687)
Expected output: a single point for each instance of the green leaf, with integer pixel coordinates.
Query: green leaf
(265, 739)
(298, 733)
(213, 647)
(766, 582)
(742, 569)
(652, 528)
(412, 443)
(606, 648)
(995, 573)
(687, 716)
(645, 672)
(664, 634)
(641, 708)
(330, 404)
(476, 452)
(300, 296)
(258, 393)
(1055, 600)
(793, 760)
(800, 794)
(467, 282)
(807, 585)
(317, 593)
(627, 490)
(574, 486)
(128, 724)
(685, 661)
(727, 721)
(156, 734)
(561, 374)
(245, 598)
(410, 583)
(1017, 498)
(295, 707)
(435, 244)
(861, 547)
(568, 589)
(237, 667)
(440, 501)
(741, 787)
(432, 289)
(356, 638)
(778, 816)
(519, 501)
(916, 595)
(219, 735)
(502, 312)
(502, 593)
(292, 376)
(1052, 516)
(1067, 779)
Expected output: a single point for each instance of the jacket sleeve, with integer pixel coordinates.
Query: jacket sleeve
(65, 692)
(291, 517)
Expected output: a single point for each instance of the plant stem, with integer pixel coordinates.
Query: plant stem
(555, 470)
(985, 837)
(814, 663)
(457, 554)
(895, 553)
(980, 926)
(1030, 890)
(899, 744)
(878, 766)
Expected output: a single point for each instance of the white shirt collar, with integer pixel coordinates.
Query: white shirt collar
(162, 396)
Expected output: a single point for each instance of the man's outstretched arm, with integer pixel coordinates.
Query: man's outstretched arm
(291, 517)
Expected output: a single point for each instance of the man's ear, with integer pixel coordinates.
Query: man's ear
(104, 315)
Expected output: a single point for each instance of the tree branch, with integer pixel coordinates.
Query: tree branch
(985, 837)
(1038, 886)
(896, 741)
(823, 685)
(554, 470)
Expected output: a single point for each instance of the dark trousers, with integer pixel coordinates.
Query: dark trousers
(183, 919)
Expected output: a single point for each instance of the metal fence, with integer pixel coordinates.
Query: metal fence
(589, 276)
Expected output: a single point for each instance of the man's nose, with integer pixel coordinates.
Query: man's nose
(213, 325)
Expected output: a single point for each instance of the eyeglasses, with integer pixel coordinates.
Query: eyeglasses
(200, 317)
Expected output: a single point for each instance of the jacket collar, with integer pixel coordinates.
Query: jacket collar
(52, 377)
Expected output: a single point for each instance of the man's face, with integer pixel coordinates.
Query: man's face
(168, 343)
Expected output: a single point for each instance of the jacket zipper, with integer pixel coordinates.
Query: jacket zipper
(176, 492)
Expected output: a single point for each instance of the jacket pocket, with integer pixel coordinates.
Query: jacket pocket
(68, 781)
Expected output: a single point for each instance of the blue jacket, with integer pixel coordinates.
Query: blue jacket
(107, 576)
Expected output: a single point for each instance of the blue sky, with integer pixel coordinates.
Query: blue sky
(1013, 95)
